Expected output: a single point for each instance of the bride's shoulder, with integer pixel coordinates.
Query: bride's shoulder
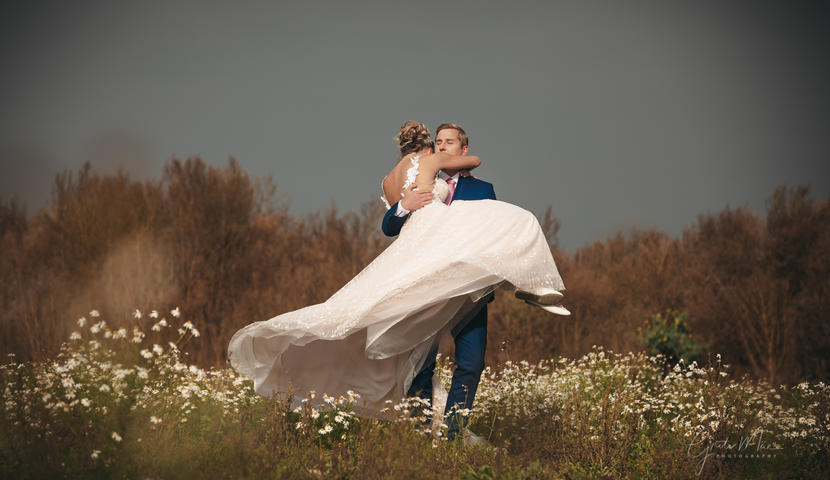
(389, 181)
(393, 179)
(397, 169)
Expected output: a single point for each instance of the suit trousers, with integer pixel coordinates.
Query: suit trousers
(470, 346)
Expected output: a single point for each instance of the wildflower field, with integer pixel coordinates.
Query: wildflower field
(123, 402)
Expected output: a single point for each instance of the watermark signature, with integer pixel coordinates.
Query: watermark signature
(752, 446)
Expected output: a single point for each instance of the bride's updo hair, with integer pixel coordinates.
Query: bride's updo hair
(413, 137)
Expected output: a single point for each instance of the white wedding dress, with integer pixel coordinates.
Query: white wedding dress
(373, 335)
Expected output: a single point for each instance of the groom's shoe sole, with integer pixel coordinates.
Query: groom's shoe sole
(557, 309)
(548, 298)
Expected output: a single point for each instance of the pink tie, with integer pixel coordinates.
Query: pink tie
(451, 183)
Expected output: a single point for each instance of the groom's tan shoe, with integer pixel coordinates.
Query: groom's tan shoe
(548, 296)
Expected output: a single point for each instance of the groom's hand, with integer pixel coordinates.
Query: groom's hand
(414, 199)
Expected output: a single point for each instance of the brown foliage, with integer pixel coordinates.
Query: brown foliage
(218, 244)
(762, 285)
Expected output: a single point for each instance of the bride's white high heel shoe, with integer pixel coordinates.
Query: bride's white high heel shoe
(557, 309)
(547, 299)
(546, 296)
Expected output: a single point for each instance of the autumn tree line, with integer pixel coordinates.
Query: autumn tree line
(223, 247)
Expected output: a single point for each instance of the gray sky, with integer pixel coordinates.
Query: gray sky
(618, 114)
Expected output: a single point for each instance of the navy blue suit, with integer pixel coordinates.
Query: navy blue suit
(470, 338)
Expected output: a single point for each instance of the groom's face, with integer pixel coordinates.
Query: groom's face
(448, 141)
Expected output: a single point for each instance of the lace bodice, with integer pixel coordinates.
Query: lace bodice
(440, 188)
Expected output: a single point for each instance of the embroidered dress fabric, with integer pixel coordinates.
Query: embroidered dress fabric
(373, 335)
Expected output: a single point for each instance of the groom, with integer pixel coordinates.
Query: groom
(471, 339)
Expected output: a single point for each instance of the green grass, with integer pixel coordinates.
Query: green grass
(114, 405)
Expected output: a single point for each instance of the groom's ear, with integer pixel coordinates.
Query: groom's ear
(464, 149)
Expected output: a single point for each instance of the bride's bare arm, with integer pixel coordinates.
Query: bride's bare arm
(445, 161)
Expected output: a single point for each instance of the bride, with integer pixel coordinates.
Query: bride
(374, 334)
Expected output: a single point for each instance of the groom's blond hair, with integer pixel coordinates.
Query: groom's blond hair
(462, 135)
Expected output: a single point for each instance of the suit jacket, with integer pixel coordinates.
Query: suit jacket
(468, 188)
